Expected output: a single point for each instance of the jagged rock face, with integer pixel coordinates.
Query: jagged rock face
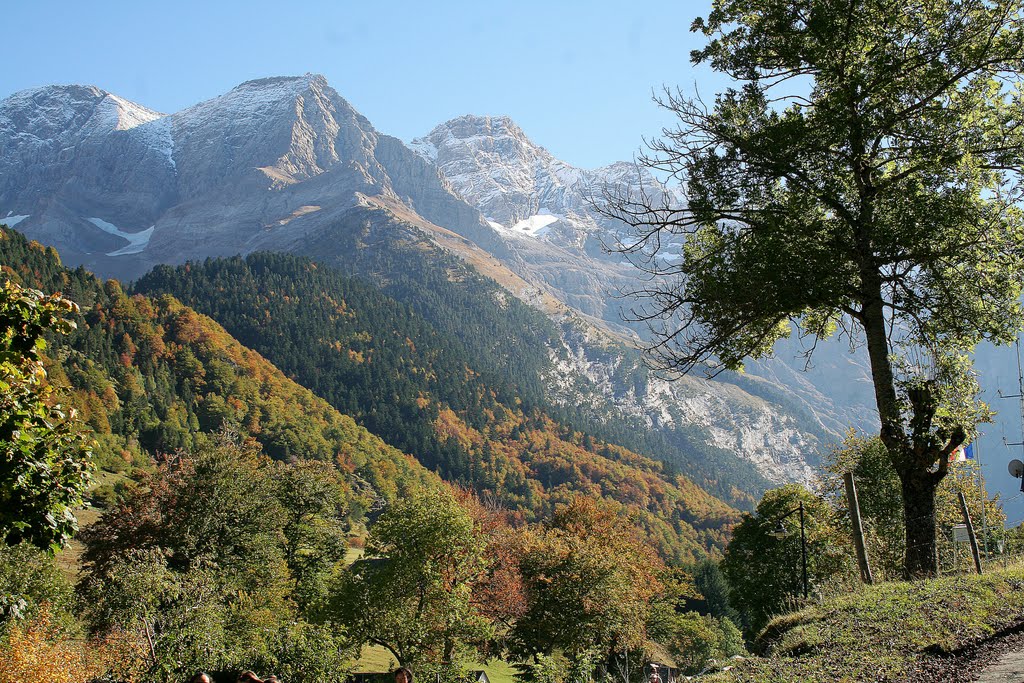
(520, 186)
(119, 187)
(777, 443)
(279, 163)
(543, 207)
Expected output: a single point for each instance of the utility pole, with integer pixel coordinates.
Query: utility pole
(858, 531)
(803, 547)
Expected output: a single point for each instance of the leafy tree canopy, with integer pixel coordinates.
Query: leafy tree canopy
(44, 465)
(214, 563)
(412, 594)
(764, 572)
(589, 581)
(863, 176)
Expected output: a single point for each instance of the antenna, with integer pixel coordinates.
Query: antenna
(1016, 469)
(1017, 473)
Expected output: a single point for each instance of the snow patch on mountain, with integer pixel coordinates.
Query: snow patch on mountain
(425, 148)
(10, 220)
(534, 226)
(115, 113)
(158, 136)
(137, 241)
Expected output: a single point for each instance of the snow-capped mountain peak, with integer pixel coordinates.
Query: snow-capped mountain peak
(64, 113)
(521, 188)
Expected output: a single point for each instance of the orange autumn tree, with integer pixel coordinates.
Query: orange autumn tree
(33, 652)
(589, 579)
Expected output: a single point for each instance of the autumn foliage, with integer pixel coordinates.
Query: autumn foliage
(35, 652)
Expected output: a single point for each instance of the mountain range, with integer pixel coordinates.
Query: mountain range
(287, 165)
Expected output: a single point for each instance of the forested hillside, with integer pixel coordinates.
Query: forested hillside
(507, 338)
(151, 376)
(427, 393)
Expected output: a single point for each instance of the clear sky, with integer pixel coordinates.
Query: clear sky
(577, 76)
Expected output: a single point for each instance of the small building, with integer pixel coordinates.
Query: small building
(662, 663)
(478, 676)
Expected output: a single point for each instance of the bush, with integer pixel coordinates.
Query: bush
(34, 651)
(29, 578)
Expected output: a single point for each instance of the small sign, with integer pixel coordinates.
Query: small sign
(960, 533)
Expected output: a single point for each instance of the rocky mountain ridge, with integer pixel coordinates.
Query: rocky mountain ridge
(544, 207)
(279, 163)
(551, 212)
(256, 168)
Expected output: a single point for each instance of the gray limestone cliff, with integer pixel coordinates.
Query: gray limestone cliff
(279, 163)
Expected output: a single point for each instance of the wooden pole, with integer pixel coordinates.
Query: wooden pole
(803, 548)
(970, 531)
(858, 531)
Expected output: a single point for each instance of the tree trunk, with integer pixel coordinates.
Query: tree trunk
(912, 457)
(922, 560)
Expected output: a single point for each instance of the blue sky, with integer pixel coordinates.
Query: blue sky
(577, 76)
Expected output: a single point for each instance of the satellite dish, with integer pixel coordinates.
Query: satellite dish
(1016, 469)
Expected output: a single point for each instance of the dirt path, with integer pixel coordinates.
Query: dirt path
(1009, 668)
(996, 660)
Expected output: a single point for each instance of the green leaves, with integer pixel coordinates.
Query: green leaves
(412, 593)
(865, 174)
(44, 466)
(765, 572)
(589, 581)
(221, 559)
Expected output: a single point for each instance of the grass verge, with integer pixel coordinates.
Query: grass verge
(884, 633)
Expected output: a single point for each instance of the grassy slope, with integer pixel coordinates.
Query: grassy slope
(886, 632)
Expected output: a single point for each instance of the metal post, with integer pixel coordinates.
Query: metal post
(983, 494)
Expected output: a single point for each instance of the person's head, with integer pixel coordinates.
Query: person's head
(201, 677)
(248, 677)
(271, 679)
(403, 674)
